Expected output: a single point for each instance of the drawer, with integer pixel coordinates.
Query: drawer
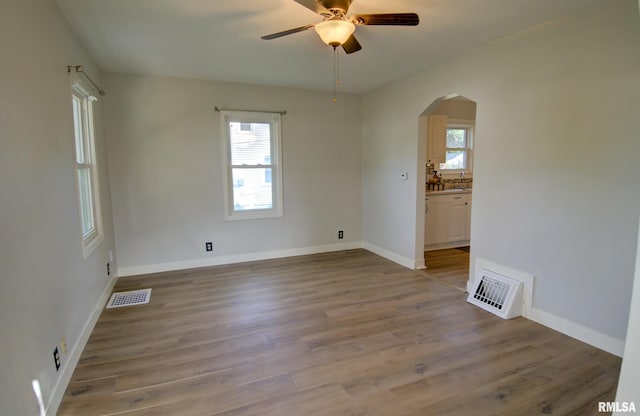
(447, 199)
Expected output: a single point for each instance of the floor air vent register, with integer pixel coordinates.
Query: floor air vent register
(497, 294)
(130, 298)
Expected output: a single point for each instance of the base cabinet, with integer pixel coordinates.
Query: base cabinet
(436, 221)
(457, 220)
(447, 218)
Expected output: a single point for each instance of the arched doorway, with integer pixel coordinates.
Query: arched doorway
(447, 140)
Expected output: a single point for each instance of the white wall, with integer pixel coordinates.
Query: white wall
(628, 390)
(556, 170)
(166, 176)
(562, 96)
(47, 289)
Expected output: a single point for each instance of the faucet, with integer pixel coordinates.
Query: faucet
(460, 181)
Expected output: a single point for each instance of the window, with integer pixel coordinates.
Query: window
(253, 178)
(458, 147)
(85, 167)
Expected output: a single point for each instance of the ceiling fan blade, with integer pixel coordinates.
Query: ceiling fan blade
(351, 45)
(288, 32)
(315, 6)
(386, 19)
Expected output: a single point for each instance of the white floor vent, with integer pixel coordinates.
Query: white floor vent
(133, 297)
(497, 294)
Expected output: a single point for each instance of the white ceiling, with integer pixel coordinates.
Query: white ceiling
(220, 39)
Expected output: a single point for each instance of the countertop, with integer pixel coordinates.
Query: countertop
(449, 191)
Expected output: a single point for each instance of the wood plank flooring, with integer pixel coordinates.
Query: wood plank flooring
(345, 333)
(450, 266)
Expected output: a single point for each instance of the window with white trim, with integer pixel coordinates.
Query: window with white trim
(252, 166)
(458, 150)
(85, 167)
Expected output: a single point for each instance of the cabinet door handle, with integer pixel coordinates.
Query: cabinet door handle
(466, 203)
(457, 197)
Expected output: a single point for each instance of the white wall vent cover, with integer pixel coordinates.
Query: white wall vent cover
(497, 294)
(133, 297)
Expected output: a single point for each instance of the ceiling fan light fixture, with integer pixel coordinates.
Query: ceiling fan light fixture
(335, 32)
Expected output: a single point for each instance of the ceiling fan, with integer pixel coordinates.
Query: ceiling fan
(337, 29)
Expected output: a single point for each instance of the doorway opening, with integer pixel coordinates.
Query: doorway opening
(447, 136)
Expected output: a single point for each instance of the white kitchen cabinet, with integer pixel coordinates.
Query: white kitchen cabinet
(436, 223)
(467, 235)
(457, 218)
(448, 219)
(437, 139)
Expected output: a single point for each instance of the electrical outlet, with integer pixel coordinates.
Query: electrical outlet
(108, 268)
(56, 358)
(208, 246)
(340, 234)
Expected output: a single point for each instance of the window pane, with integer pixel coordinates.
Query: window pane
(77, 127)
(252, 189)
(86, 203)
(456, 159)
(250, 146)
(457, 138)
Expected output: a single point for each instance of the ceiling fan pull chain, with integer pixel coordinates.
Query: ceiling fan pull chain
(337, 66)
(336, 81)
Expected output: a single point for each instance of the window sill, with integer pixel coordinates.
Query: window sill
(253, 215)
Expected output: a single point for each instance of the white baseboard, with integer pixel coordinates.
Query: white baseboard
(579, 332)
(394, 257)
(266, 255)
(237, 258)
(72, 358)
(442, 246)
(569, 328)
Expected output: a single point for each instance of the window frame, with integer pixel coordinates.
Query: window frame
(469, 126)
(275, 122)
(86, 162)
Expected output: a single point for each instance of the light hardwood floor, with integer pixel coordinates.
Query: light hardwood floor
(450, 266)
(345, 333)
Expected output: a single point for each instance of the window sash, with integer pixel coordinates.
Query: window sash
(465, 150)
(465, 138)
(78, 128)
(461, 152)
(83, 128)
(252, 189)
(87, 209)
(261, 195)
(86, 170)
